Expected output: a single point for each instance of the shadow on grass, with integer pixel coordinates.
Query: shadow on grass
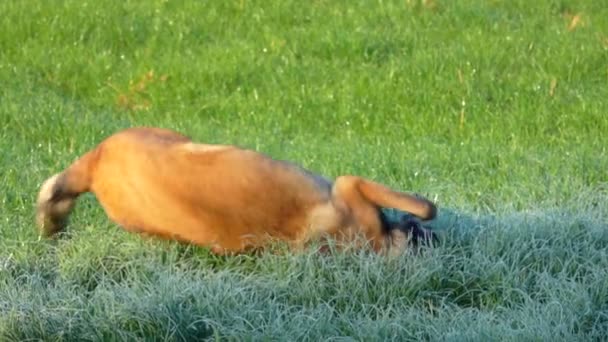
(509, 267)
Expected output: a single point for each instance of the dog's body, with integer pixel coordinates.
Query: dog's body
(230, 199)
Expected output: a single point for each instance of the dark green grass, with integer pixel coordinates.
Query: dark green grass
(492, 108)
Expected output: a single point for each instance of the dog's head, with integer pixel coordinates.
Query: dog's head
(406, 232)
(418, 234)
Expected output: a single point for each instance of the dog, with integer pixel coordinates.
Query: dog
(229, 199)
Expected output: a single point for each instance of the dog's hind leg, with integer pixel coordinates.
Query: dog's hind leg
(58, 194)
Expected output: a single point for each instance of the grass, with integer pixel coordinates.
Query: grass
(496, 109)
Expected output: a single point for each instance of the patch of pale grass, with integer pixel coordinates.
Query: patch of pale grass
(527, 275)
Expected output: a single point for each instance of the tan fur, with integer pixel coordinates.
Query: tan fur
(230, 199)
(52, 212)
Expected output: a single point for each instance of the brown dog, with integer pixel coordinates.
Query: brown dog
(159, 182)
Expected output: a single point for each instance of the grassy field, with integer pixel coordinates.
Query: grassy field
(498, 110)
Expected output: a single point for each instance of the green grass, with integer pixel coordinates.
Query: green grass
(493, 108)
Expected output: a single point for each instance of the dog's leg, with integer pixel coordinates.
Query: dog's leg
(385, 197)
(348, 198)
(58, 194)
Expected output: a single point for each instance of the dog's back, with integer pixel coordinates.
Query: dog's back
(159, 182)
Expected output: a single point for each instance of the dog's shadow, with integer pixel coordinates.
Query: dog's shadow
(449, 224)
(452, 220)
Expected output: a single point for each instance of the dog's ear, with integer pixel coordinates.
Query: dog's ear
(419, 235)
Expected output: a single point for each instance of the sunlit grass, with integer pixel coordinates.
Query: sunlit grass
(495, 109)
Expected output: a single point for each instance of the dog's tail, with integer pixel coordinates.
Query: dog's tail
(58, 194)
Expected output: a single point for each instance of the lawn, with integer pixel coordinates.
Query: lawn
(497, 110)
